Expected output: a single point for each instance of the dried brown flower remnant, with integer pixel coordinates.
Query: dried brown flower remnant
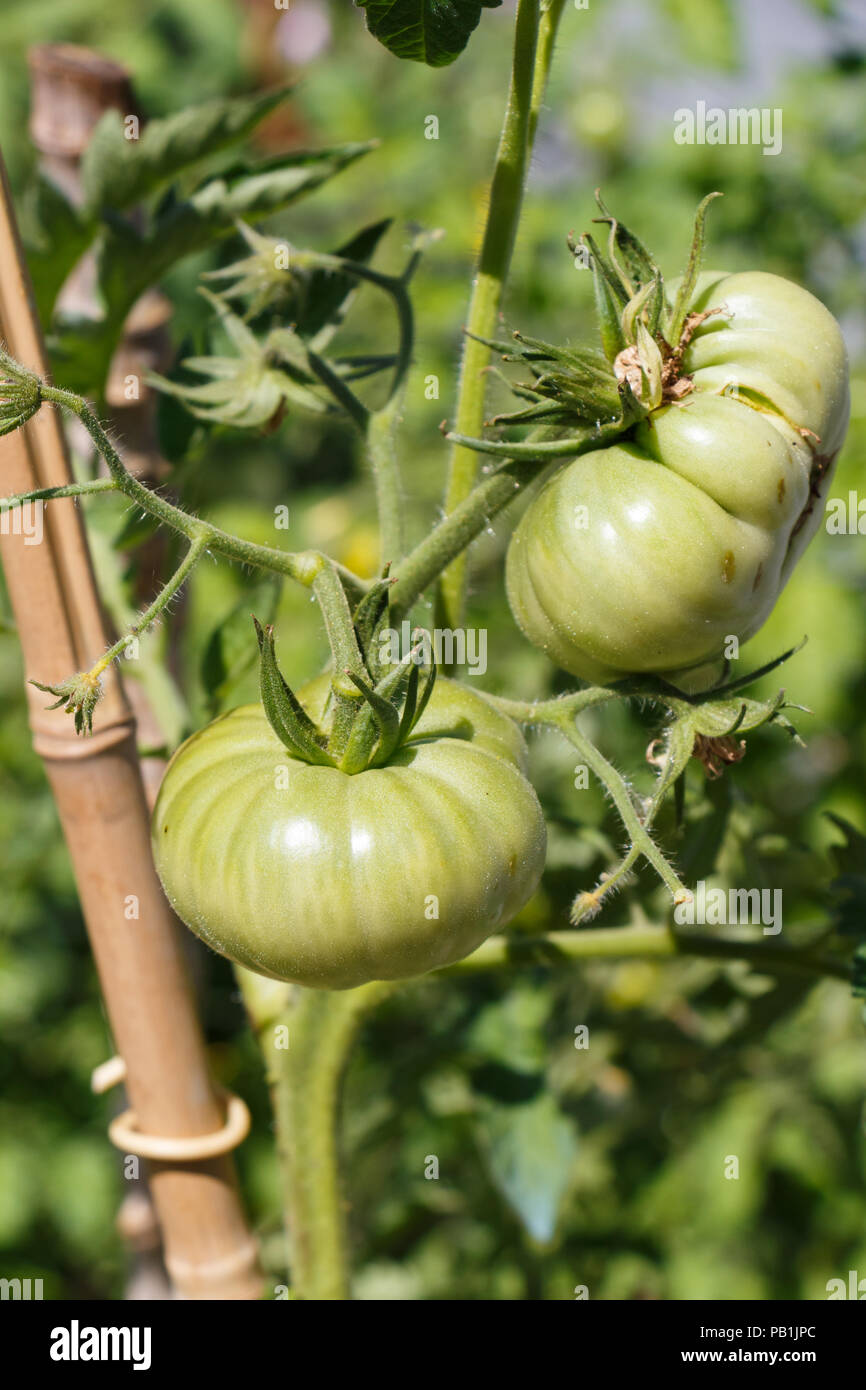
(716, 753)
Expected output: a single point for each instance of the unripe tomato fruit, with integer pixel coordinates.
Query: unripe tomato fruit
(649, 555)
(307, 874)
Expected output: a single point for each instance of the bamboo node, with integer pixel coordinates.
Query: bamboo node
(235, 1275)
(125, 1134)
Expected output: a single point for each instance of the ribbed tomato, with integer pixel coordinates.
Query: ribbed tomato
(308, 874)
(650, 555)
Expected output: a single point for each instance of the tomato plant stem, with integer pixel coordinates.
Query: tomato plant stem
(641, 942)
(197, 547)
(525, 463)
(302, 566)
(552, 711)
(534, 37)
(382, 453)
(548, 26)
(426, 562)
(620, 795)
(52, 494)
(337, 618)
(308, 1070)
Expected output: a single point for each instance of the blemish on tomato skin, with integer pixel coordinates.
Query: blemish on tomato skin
(759, 574)
(729, 566)
(780, 490)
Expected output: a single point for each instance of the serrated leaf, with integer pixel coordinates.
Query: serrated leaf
(530, 1151)
(129, 262)
(434, 32)
(117, 172)
(211, 212)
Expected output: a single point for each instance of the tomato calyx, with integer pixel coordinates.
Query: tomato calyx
(79, 695)
(20, 394)
(644, 336)
(366, 718)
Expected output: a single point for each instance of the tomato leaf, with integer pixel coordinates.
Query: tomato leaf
(434, 32)
(530, 1150)
(129, 261)
(181, 227)
(118, 172)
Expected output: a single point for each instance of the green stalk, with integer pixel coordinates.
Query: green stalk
(337, 617)
(454, 533)
(534, 36)
(302, 566)
(52, 494)
(551, 14)
(641, 943)
(198, 545)
(305, 1078)
(526, 464)
(618, 790)
(382, 453)
(552, 712)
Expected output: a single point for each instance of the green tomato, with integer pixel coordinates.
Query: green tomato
(649, 556)
(307, 874)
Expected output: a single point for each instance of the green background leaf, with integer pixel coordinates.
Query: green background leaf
(426, 31)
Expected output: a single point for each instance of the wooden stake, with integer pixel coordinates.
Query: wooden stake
(100, 799)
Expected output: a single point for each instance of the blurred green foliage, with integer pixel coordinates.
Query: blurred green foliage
(558, 1165)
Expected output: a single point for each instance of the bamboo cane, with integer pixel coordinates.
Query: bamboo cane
(100, 799)
(71, 88)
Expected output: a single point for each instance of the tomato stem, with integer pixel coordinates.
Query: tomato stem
(53, 494)
(198, 545)
(643, 941)
(617, 787)
(534, 37)
(525, 463)
(306, 1049)
(382, 453)
(302, 566)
